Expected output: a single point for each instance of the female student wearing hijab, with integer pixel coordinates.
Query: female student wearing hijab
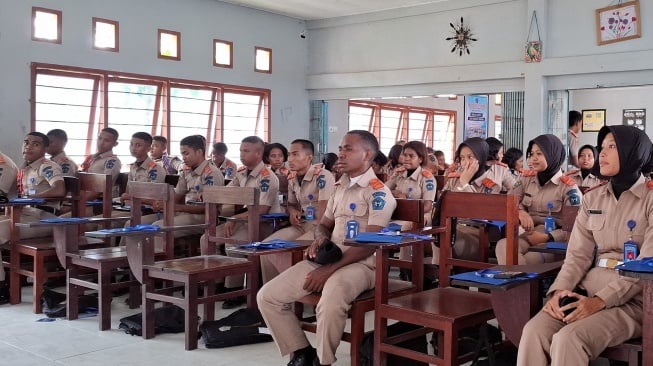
(537, 188)
(583, 176)
(474, 176)
(611, 312)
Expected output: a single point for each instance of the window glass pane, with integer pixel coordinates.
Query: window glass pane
(222, 53)
(168, 45)
(389, 127)
(241, 119)
(105, 35)
(64, 103)
(45, 25)
(416, 126)
(443, 135)
(263, 60)
(359, 118)
(131, 108)
(189, 115)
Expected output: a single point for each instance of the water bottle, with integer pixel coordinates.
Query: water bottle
(549, 221)
(310, 210)
(409, 194)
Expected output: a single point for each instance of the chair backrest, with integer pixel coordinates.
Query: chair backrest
(569, 214)
(97, 184)
(214, 196)
(476, 206)
(121, 183)
(172, 179)
(410, 210)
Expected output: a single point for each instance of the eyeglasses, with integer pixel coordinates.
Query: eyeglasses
(432, 158)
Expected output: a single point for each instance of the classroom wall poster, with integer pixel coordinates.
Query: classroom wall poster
(635, 118)
(476, 116)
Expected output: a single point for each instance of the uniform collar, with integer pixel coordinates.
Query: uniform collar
(311, 172)
(145, 164)
(416, 173)
(35, 164)
(556, 178)
(571, 132)
(639, 189)
(363, 181)
(105, 154)
(479, 181)
(257, 170)
(200, 168)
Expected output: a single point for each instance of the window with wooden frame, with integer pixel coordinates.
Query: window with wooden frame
(263, 60)
(83, 101)
(106, 35)
(223, 55)
(169, 45)
(391, 122)
(46, 25)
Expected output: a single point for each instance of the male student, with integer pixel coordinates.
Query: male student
(159, 155)
(58, 140)
(8, 170)
(104, 161)
(219, 158)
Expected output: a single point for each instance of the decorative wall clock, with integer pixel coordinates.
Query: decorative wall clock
(461, 38)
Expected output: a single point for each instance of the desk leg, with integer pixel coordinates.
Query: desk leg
(380, 297)
(647, 323)
(254, 282)
(515, 307)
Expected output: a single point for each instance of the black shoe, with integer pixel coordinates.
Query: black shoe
(234, 302)
(4, 292)
(304, 357)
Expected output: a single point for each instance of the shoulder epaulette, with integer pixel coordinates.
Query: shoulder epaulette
(317, 170)
(376, 183)
(2, 160)
(242, 168)
(265, 172)
(572, 172)
(207, 169)
(283, 170)
(292, 175)
(152, 164)
(427, 173)
(529, 173)
(567, 180)
(649, 184)
(453, 175)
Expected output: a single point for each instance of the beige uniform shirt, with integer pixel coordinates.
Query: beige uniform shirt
(8, 171)
(228, 168)
(171, 164)
(574, 143)
(105, 163)
(39, 176)
(192, 181)
(318, 183)
(68, 167)
(590, 181)
(559, 190)
(601, 222)
(372, 203)
(265, 180)
(494, 180)
(419, 185)
(148, 171)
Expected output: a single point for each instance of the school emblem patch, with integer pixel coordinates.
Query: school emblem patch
(65, 168)
(321, 182)
(208, 180)
(110, 163)
(265, 185)
(574, 197)
(430, 185)
(48, 172)
(378, 203)
(152, 175)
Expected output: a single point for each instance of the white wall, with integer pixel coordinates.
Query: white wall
(199, 21)
(403, 52)
(614, 101)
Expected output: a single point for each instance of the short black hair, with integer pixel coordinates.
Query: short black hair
(495, 145)
(306, 145)
(195, 142)
(574, 117)
(329, 160)
(59, 134)
(254, 140)
(160, 139)
(438, 153)
(220, 148)
(143, 136)
(511, 156)
(368, 139)
(111, 131)
(44, 138)
(393, 155)
(268, 149)
(380, 159)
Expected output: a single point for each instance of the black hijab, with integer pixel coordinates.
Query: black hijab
(635, 155)
(586, 172)
(554, 153)
(481, 150)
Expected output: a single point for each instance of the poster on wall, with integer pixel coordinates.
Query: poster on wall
(476, 114)
(635, 118)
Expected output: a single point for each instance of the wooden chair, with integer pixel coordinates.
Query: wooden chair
(194, 272)
(28, 257)
(406, 210)
(478, 206)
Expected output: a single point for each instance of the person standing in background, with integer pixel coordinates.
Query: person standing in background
(573, 142)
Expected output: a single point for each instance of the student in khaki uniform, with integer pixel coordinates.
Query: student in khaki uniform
(413, 180)
(308, 186)
(253, 173)
(104, 161)
(276, 156)
(514, 160)
(584, 176)
(8, 171)
(196, 173)
(38, 177)
(495, 155)
(474, 176)
(544, 184)
(575, 123)
(58, 140)
(219, 159)
(159, 155)
(611, 313)
(359, 196)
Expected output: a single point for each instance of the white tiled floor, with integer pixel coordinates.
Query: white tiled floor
(26, 342)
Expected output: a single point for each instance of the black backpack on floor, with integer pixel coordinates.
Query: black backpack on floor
(167, 319)
(243, 326)
(418, 344)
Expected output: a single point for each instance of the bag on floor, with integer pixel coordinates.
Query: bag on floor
(418, 344)
(167, 319)
(241, 327)
(53, 305)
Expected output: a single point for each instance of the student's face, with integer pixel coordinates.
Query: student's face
(586, 159)
(105, 142)
(352, 155)
(139, 148)
(157, 149)
(250, 154)
(537, 160)
(500, 153)
(466, 156)
(519, 164)
(276, 158)
(441, 161)
(56, 146)
(217, 158)
(191, 157)
(298, 158)
(411, 159)
(609, 157)
(33, 148)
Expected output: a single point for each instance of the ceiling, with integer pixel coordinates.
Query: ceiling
(322, 9)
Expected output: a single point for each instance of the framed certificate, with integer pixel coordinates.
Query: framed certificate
(593, 119)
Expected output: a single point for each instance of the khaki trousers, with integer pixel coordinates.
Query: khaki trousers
(273, 264)
(546, 340)
(276, 298)
(523, 255)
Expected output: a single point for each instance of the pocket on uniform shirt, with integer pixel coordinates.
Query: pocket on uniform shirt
(595, 222)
